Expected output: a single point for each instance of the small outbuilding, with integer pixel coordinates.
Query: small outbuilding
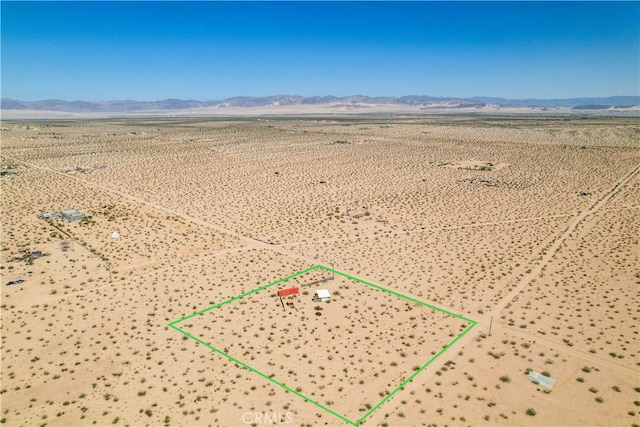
(72, 215)
(49, 215)
(538, 378)
(322, 295)
(287, 292)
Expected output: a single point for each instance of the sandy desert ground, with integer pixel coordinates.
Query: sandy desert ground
(528, 225)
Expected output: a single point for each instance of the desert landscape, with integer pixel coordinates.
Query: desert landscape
(522, 229)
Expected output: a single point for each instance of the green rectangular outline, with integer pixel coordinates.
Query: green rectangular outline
(305, 398)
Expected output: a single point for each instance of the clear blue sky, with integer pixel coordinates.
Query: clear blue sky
(214, 50)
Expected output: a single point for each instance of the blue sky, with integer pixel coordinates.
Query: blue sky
(214, 50)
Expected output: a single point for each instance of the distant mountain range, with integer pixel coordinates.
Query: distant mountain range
(421, 101)
(606, 102)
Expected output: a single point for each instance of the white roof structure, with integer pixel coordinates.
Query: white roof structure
(71, 212)
(71, 215)
(323, 293)
(543, 380)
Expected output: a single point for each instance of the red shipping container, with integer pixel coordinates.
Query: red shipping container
(286, 292)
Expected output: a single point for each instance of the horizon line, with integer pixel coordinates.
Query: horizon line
(320, 96)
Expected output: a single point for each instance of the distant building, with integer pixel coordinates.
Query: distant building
(49, 215)
(72, 215)
(322, 295)
(287, 292)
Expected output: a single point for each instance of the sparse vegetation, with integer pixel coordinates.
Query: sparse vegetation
(201, 217)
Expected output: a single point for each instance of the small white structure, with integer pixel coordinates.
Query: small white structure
(543, 380)
(322, 295)
(72, 215)
(115, 235)
(49, 215)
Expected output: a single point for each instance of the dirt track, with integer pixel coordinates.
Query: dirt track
(207, 211)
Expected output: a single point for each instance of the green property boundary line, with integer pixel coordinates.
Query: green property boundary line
(289, 389)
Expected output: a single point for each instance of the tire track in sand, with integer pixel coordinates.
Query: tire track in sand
(552, 249)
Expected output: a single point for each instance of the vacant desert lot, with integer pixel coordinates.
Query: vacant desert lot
(528, 225)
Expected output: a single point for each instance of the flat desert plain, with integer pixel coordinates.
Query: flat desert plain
(496, 247)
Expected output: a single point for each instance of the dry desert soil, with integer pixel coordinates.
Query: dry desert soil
(515, 240)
